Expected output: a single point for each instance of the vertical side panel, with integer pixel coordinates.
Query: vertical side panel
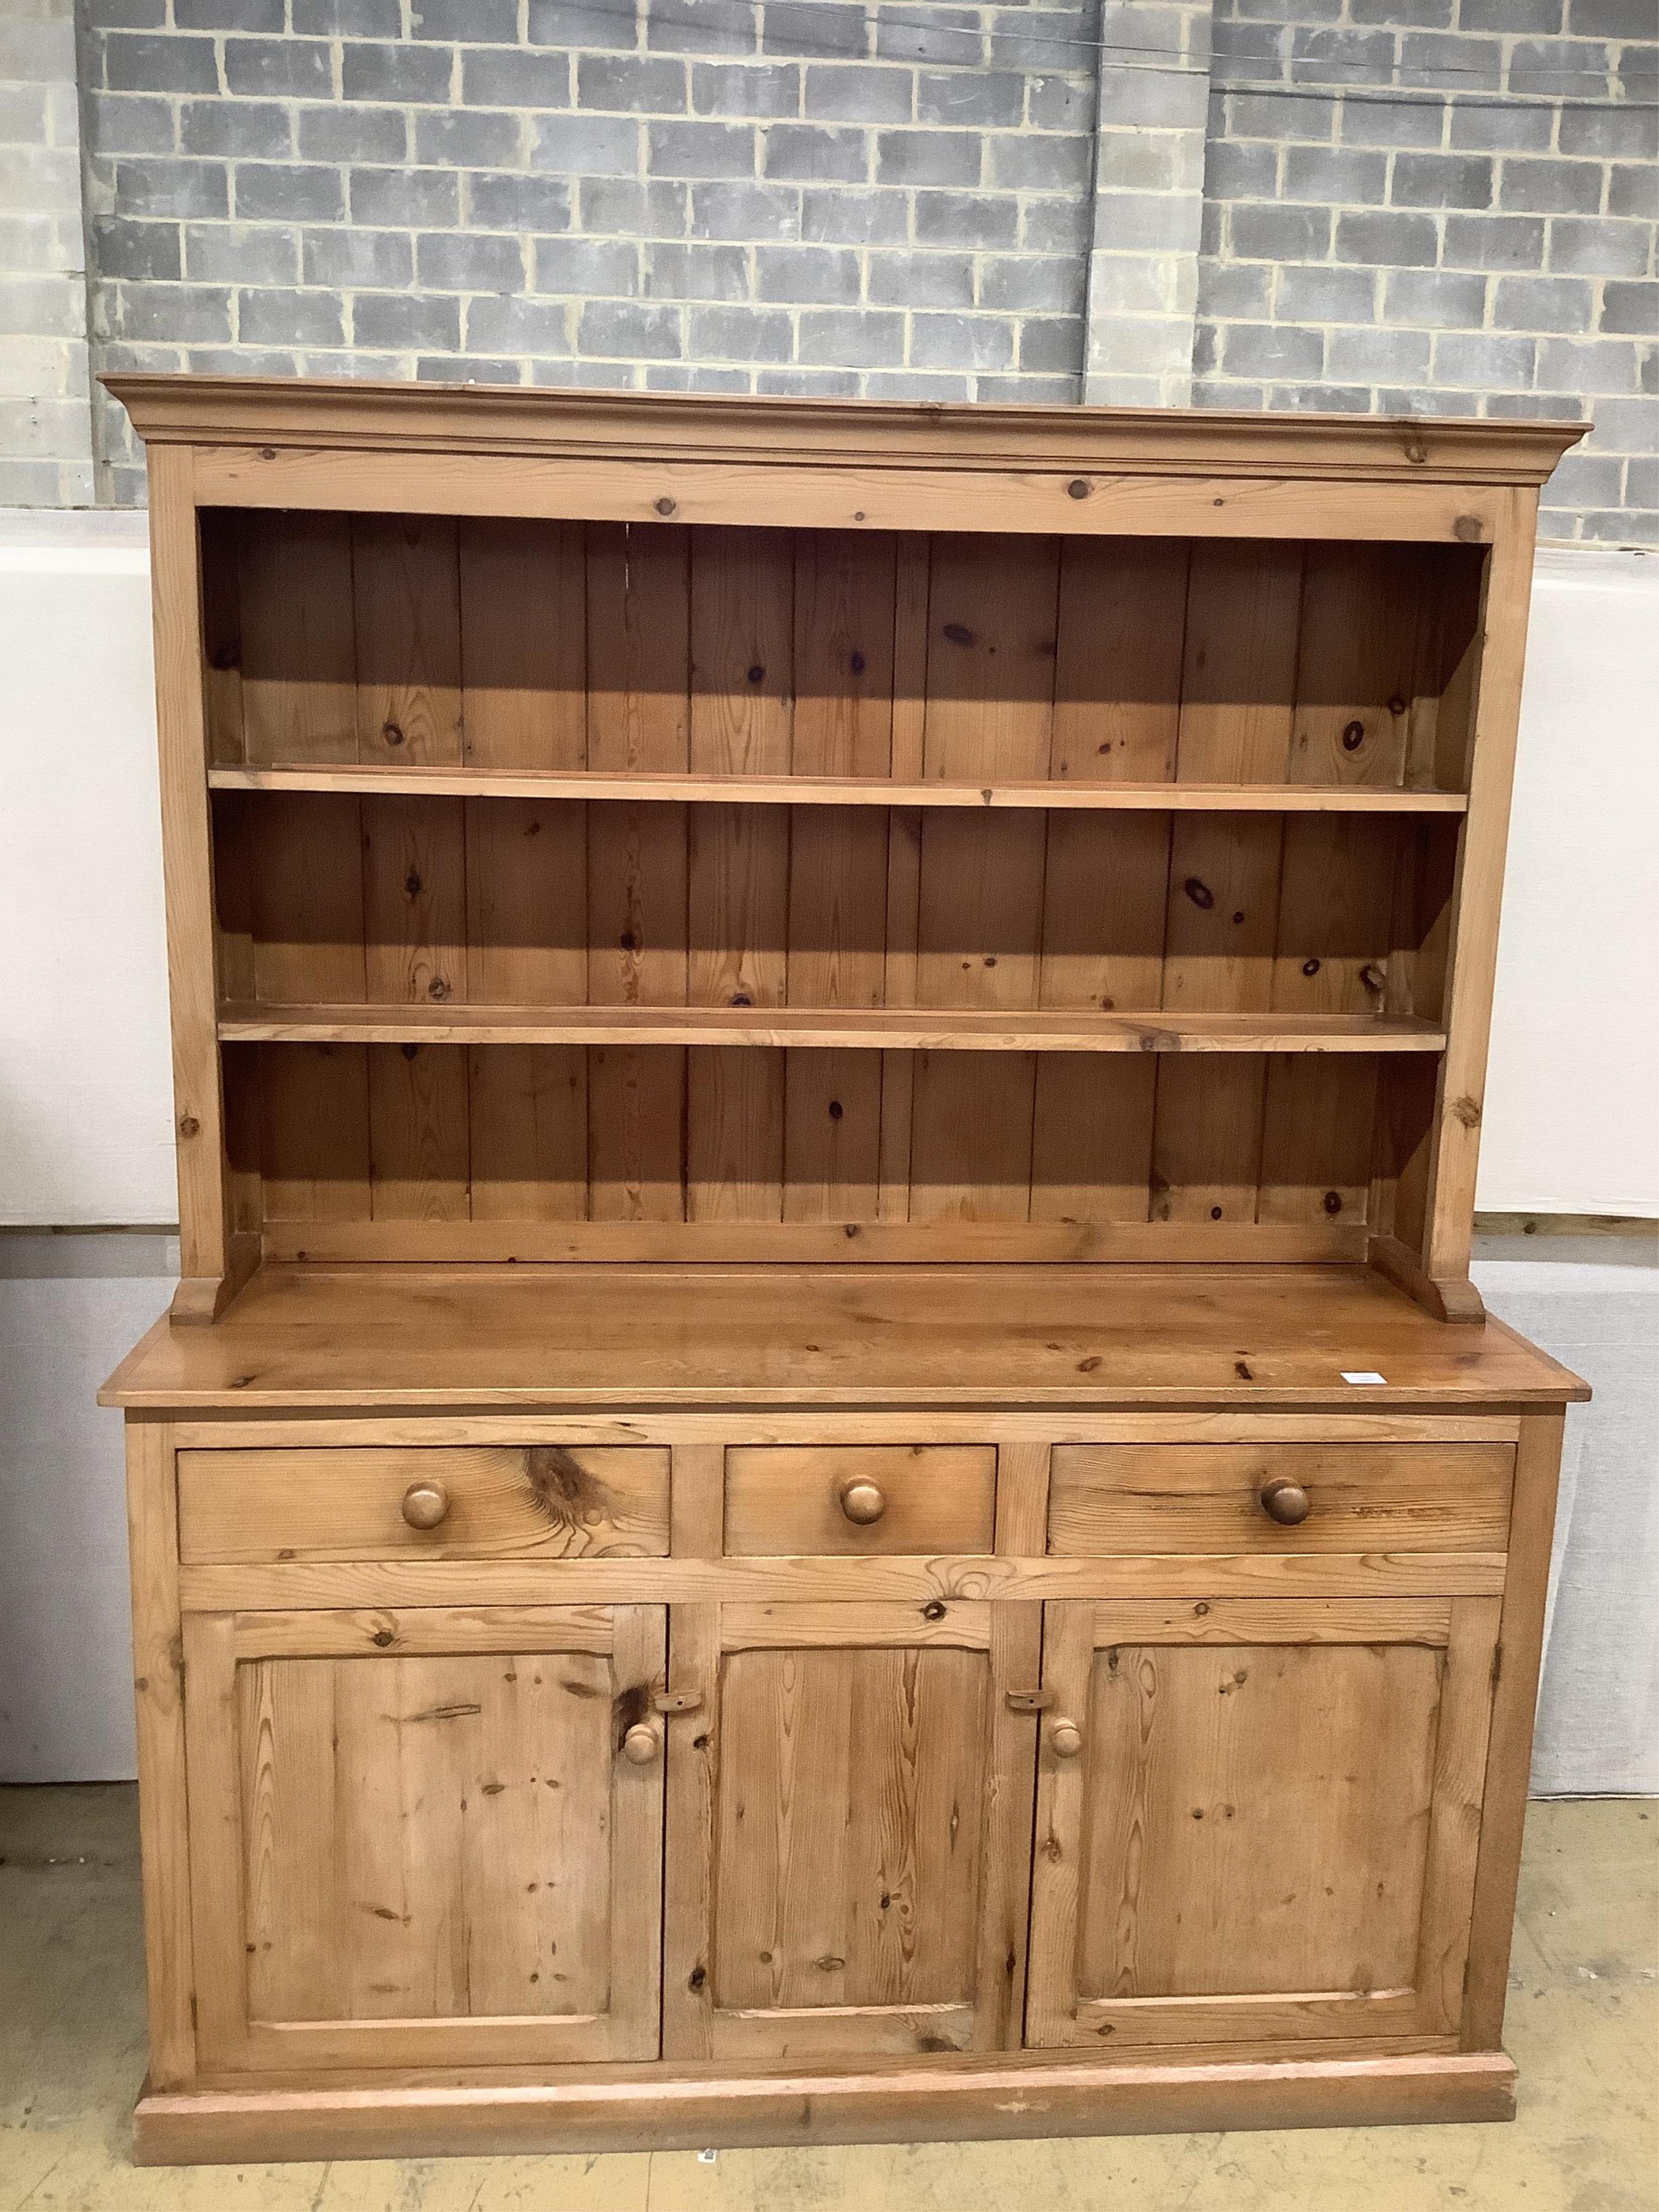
(222, 532)
(417, 1117)
(639, 1668)
(694, 1753)
(159, 1688)
(1117, 680)
(414, 900)
(297, 1942)
(524, 643)
(1060, 1859)
(999, 1963)
(407, 620)
(216, 1948)
(1460, 1776)
(298, 639)
(844, 606)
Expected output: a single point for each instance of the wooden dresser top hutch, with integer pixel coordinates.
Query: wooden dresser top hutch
(829, 1067)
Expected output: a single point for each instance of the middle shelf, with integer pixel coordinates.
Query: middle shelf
(921, 1029)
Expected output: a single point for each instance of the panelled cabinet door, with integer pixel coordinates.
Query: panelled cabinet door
(1257, 1820)
(849, 1828)
(426, 1838)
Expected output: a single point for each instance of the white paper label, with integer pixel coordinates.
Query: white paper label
(1365, 1375)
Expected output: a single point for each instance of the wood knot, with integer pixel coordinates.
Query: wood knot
(1199, 893)
(1468, 531)
(959, 634)
(858, 664)
(190, 1126)
(393, 732)
(1078, 488)
(1353, 736)
(664, 506)
(1467, 1111)
(933, 1610)
(836, 1109)
(1332, 1201)
(757, 674)
(437, 988)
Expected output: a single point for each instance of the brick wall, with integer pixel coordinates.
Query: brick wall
(45, 421)
(1386, 204)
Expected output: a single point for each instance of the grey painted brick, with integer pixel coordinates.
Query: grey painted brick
(243, 253)
(1571, 69)
(228, 14)
(701, 149)
(182, 314)
(744, 210)
(1027, 37)
(1309, 294)
(236, 127)
(584, 266)
(1239, 291)
(916, 384)
(1642, 483)
(832, 217)
(1335, 174)
(1386, 239)
(468, 261)
(286, 319)
(1162, 222)
(1493, 241)
(1513, 17)
(501, 78)
(1280, 116)
(696, 376)
(348, 18)
(1272, 349)
(736, 88)
(404, 198)
(1501, 127)
(1056, 226)
(1543, 303)
(808, 152)
(124, 15)
(1378, 356)
(587, 145)
(817, 275)
(928, 157)
(1611, 19)
(1257, 48)
(298, 67)
(698, 27)
(1551, 187)
(623, 207)
(810, 383)
(1044, 284)
(414, 74)
(172, 188)
(134, 63)
(945, 35)
(1607, 132)
(1598, 246)
(464, 138)
(756, 334)
(1589, 365)
(989, 98)
(370, 260)
(1052, 346)
(1062, 103)
(351, 134)
(1281, 233)
(837, 337)
(291, 192)
(853, 94)
(1453, 64)
(925, 280)
(1633, 189)
(129, 123)
(496, 323)
(1435, 298)
(1320, 399)
(627, 329)
(1323, 56)
(402, 321)
(1479, 358)
(632, 83)
(485, 23)
(1630, 307)
(1040, 162)
(147, 250)
(820, 27)
(582, 23)
(464, 368)
(1371, 122)
(975, 219)
(963, 341)
(673, 271)
(1154, 99)
(1232, 171)
(1457, 180)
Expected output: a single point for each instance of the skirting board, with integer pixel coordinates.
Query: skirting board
(975, 2102)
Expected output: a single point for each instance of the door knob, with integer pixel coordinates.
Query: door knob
(1064, 1737)
(1285, 1502)
(641, 1744)
(425, 1504)
(863, 1501)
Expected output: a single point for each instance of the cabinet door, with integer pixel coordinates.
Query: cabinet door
(425, 1837)
(849, 1828)
(1257, 1821)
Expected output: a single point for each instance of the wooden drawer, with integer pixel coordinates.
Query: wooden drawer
(786, 1500)
(485, 1502)
(1211, 1498)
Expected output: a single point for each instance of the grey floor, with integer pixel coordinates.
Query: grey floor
(1583, 2024)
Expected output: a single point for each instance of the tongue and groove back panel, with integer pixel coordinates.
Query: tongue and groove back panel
(402, 641)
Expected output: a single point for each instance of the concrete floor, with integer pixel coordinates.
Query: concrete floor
(1584, 2025)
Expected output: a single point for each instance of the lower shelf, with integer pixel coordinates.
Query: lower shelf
(650, 2107)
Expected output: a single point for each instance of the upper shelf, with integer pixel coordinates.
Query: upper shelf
(848, 791)
(921, 1029)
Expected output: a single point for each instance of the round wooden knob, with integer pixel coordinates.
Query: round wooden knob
(1065, 1738)
(640, 1744)
(425, 1504)
(1285, 1502)
(863, 1501)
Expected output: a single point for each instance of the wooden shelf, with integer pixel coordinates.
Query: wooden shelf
(848, 791)
(929, 1029)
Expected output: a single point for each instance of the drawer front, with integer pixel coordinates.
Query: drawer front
(783, 1501)
(482, 1502)
(1225, 1498)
